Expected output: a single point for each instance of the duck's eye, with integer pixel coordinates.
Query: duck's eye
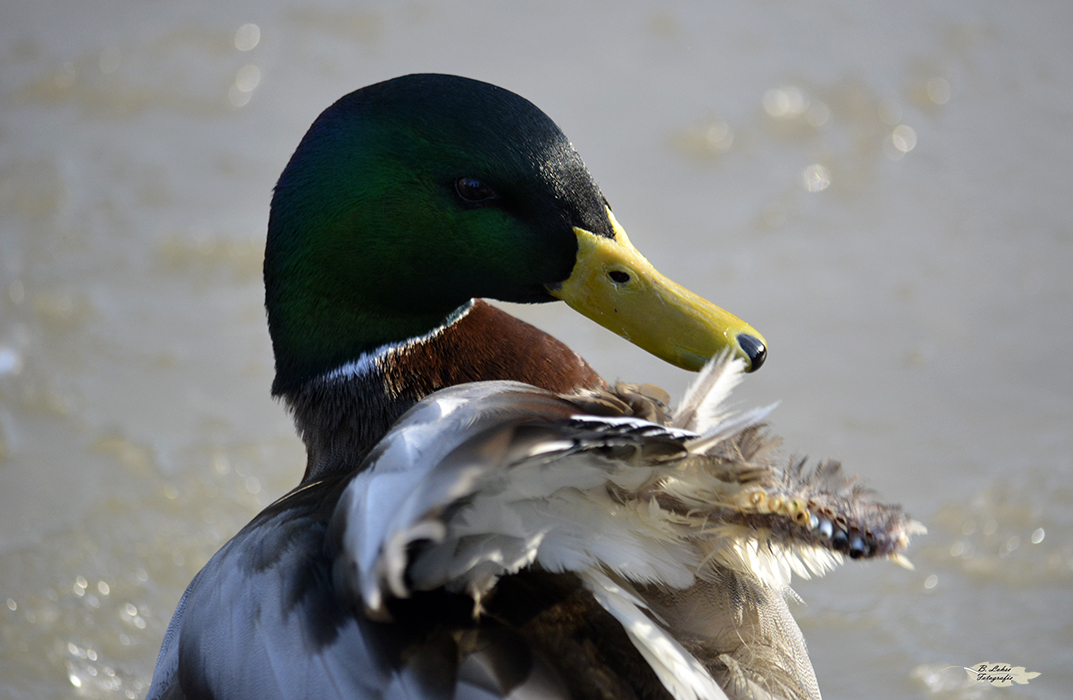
(618, 276)
(472, 190)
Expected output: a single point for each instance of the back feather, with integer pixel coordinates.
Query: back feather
(656, 512)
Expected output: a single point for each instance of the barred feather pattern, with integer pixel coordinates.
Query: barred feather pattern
(770, 522)
(682, 523)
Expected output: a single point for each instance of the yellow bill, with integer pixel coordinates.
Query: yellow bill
(615, 286)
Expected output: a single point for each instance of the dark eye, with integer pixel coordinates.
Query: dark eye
(471, 190)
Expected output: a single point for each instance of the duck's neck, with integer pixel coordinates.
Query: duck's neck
(340, 415)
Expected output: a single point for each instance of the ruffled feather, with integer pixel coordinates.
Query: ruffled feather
(484, 480)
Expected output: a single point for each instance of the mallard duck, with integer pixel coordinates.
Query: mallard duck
(481, 514)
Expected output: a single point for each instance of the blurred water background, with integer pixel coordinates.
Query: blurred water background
(884, 190)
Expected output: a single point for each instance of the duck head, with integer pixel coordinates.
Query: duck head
(408, 198)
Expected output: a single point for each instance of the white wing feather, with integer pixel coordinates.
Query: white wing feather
(482, 480)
